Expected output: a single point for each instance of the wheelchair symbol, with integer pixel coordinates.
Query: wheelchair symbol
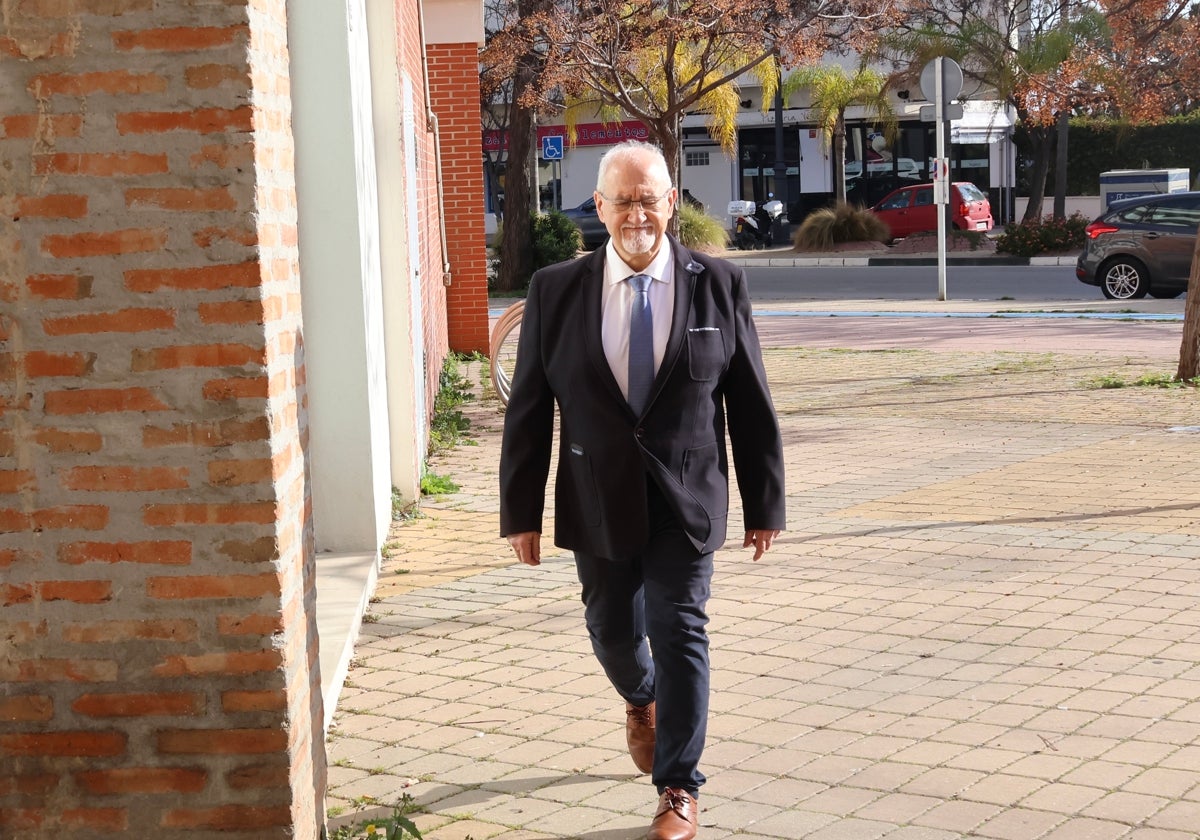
(552, 147)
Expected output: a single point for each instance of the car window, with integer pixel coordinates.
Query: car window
(1129, 214)
(589, 205)
(1174, 214)
(924, 197)
(970, 192)
(897, 201)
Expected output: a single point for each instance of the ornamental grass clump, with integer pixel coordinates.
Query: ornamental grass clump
(822, 229)
(700, 231)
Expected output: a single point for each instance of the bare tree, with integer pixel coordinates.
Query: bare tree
(657, 60)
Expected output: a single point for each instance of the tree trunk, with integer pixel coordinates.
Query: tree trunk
(516, 252)
(666, 133)
(839, 161)
(1041, 139)
(1060, 166)
(1189, 350)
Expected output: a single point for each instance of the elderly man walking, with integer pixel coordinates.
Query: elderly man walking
(649, 352)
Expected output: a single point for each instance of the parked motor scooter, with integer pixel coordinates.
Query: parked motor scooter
(752, 227)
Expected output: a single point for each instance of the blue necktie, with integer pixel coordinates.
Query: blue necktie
(641, 344)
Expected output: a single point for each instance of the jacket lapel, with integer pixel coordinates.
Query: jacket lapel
(686, 272)
(593, 288)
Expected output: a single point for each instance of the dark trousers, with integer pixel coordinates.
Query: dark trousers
(659, 598)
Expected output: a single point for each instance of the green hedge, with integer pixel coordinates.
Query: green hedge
(1099, 145)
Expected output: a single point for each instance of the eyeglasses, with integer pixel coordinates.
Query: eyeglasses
(624, 205)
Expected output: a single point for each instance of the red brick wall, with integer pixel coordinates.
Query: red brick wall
(454, 91)
(426, 252)
(157, 646)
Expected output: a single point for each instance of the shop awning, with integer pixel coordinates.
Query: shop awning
(982, 122)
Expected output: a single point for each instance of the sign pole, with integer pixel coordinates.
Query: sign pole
(941, 82)
(941, 176)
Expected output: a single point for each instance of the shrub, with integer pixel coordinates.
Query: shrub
(824, 228)
(1041, 236)
(699, 230)
(555, 238)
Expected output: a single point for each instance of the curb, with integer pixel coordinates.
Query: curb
(801, 262)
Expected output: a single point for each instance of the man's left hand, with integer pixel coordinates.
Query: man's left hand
(761, 540)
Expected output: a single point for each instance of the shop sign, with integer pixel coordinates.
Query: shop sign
(586, 134)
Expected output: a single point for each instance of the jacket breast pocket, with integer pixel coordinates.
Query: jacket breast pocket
(706, 353)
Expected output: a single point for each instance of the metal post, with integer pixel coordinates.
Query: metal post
(939, 117)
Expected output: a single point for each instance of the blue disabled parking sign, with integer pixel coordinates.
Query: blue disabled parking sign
(552, 147)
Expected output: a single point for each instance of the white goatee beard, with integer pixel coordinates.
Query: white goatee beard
(637, 240)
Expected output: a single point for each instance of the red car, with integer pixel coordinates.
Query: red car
(911, 210)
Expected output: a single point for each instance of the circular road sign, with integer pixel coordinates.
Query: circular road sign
(952, 80)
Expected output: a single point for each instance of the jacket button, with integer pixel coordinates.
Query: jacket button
(639, 433)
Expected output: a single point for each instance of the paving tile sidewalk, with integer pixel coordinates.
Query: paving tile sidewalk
(983, 621)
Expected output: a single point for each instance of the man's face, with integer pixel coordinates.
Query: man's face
(636, 229)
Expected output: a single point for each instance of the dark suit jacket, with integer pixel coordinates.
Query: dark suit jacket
(711, 374)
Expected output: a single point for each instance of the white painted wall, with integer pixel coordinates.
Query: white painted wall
(453, 21)
(708, 184)
(398, 257)
(579, 167)
(416, 320)
(816, 165)
(340, 273)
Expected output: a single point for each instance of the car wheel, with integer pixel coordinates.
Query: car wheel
(1123, 278)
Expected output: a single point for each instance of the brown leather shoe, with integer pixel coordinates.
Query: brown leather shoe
(676, 817)
(639, 735)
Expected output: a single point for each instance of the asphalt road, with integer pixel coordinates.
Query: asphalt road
(1020, 283)
(1019, 308)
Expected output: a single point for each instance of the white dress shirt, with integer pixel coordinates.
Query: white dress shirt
(617, 299)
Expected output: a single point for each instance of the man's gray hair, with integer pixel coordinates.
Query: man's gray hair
(631, 149)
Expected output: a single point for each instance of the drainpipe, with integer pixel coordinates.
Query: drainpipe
(431, 124)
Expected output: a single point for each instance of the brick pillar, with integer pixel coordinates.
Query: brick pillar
(454, 94)
(157, 644)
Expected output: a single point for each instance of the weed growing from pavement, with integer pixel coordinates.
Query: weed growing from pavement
(1150, 380)
(397, 826)
(433, 484)
(403, 511)
(1025, 364)
(449, 427)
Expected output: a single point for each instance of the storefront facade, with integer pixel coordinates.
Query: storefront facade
(979, 146)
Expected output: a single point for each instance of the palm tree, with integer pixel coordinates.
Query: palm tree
(831, 92)
(690, 79)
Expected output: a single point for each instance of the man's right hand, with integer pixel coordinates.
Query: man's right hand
(528, 546)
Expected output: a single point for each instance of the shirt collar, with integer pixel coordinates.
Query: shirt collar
(616, 270)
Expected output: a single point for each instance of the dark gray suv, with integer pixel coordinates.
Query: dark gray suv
(595, 234)
(1142, 246)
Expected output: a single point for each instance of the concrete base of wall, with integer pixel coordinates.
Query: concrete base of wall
(344, 586)
(1085, 205)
